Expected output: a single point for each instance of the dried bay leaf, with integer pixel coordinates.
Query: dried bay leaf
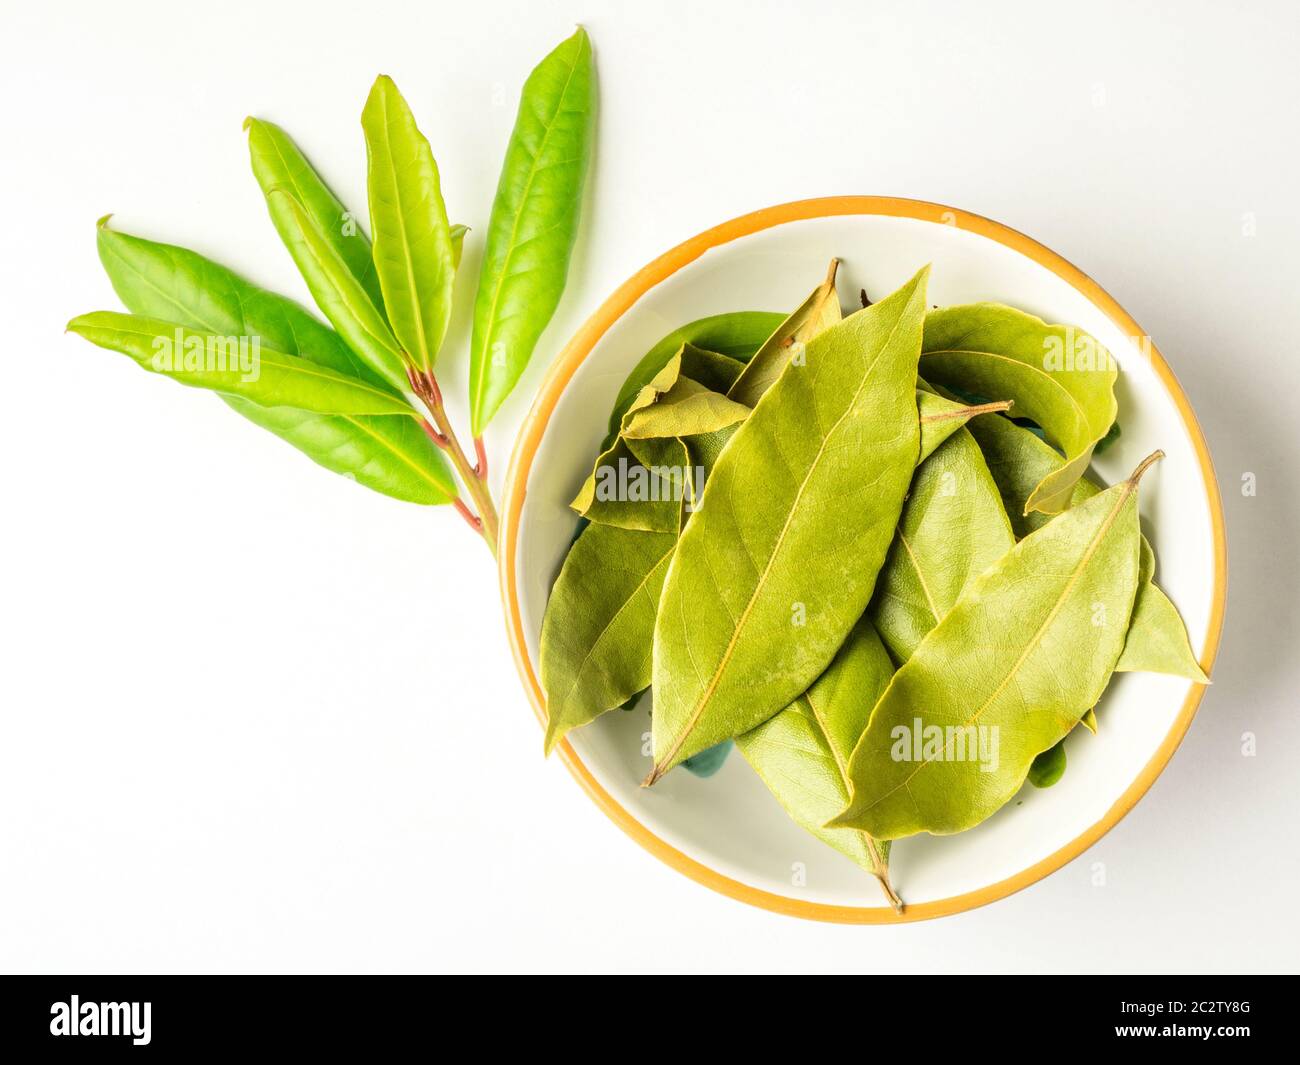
(953, 528)
(1009, 671)
(688, 408)
(1018, 460)
(940, 417)
(817, 313)
(794, 525)
(703, 420)
(596, 634)
(623, 490)
(1157, 638)
(598, 630)
(1059, 376)
(1048, 767)
(735, 336)
(802, 754)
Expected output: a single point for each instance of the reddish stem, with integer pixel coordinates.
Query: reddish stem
(424, 385)
(474, 523)
(434, 435)
(480, 455)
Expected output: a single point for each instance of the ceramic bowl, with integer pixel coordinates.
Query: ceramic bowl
(727, 831)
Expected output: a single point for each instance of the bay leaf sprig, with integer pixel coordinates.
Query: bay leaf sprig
(361, 398)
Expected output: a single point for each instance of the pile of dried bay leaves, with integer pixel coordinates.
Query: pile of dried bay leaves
(865, 550)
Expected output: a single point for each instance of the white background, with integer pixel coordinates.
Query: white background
(257, 718)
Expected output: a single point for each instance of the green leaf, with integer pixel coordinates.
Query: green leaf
(736, 335)
(686, 409)
(413, 250)
(337, 292)
(670, 406)
(1047, 768)
(261, 375)
(615, 664)
(952, 529)
(1009, 671)
(388, 454)
(664, 514)
(1157, 638)
(596, 634)
(457, 233)
(794, 525)
(1058, 376)
(818, 312)
(626, 492)
(279, 164)
(1019, 460)
(534, 223)
(802, 754)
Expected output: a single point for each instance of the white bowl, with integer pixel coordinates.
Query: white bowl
(727, 831)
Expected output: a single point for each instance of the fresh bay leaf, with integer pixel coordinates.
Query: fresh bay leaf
(1019, 460)
(794, 525)
(276, 380)
(802, 754)
(737, 336)
(952, 529)
(388, 454)
(414, 256)
(818, 312)
(1029, 646)
(534, 222)
(278, 163)
(457, 233)
(338, 294)
(1059, 376)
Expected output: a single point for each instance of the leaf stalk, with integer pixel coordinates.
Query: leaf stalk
(473, 477)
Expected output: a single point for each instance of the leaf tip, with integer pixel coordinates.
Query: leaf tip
(103, 222)
(248, 123)
(550, 739)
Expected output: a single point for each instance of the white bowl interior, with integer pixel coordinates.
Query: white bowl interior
(730, 822)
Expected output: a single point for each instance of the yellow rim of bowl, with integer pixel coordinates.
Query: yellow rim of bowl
(577, 350)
